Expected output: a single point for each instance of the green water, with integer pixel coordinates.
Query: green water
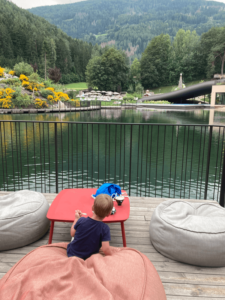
(158, 161)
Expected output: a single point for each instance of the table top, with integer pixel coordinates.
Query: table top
(67, 201)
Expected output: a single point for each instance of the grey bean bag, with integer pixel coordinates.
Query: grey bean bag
(192, 233)
(22, 219)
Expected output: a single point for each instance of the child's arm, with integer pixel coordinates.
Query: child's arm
(109, 250)
(78, 214)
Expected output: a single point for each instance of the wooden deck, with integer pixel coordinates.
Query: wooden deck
(181, 281)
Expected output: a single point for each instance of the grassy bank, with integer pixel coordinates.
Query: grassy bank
(167, 89)
(77, 86)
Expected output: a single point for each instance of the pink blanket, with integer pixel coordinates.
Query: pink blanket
(47, 273)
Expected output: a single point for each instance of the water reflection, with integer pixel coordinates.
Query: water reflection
(140, 115)
(160, 161)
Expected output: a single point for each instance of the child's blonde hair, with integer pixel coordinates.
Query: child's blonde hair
(103, 205)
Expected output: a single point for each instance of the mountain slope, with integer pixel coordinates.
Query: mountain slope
(131, 24)
(26, 37)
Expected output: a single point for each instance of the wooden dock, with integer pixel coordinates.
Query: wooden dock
(181, 281)
(47, 110)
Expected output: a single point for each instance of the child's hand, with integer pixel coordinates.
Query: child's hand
(78, 214)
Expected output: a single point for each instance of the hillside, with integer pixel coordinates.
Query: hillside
(26, 37)
(131, 24)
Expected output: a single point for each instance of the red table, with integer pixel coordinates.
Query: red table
(67, 201)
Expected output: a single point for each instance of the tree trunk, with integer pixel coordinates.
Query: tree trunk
(222, 65)
(45, 66)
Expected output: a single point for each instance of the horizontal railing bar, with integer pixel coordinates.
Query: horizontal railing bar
(112, 123)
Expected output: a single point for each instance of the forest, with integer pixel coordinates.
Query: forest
(31, 39)
(131, 24)
(25, 37)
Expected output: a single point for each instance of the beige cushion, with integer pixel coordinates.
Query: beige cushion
(192, 233)
(22, 219)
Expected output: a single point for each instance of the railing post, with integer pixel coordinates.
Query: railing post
(56, 159)
(222, 190)
(130, 157)
(208, 163)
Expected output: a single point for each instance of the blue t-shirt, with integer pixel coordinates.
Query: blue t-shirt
(88, 237)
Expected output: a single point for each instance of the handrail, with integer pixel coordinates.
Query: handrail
(146, 159)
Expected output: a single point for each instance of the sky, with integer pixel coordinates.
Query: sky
(34, 3)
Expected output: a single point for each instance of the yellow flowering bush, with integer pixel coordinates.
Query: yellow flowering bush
(25, 83)
(30, 85)
(60, 96)
(50, 89)
(2, 72)
(40, 103)
(23, 77)
(12, 73)
(51, 99)
(75, 102)
(53, 96)
(6, 98)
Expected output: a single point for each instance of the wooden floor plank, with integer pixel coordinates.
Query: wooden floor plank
(186, 278)
(181, 281)
(190, 298)
(184, 268)
(195, 290)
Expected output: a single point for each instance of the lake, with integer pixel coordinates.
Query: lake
(147, 160)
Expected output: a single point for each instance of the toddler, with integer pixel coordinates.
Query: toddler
(91, 234)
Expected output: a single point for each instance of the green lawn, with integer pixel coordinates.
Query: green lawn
(77, 86)
(160, 90)
(167, 89)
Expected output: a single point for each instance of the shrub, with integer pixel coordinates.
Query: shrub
(61, 96)
(2, 72)
(139, 88)
(128, 98)
(54, 74)
(23, 77)
(12, 81)
(46, 92)
(48, 83)
(23, 68)
(50, 89)
(22, 100)
(136, 95)
(51, 99)
(30, 85)
(130, 89)
(17, 92)
(12, 73)
(6, 98)
(40, 103)
(6, 103)
(34, 77)
(7, 70)
(72, 94)
(75, 102)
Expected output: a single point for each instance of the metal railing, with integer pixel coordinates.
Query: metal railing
(150, 160)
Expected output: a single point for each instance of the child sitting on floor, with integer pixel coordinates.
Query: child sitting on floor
(91, 234)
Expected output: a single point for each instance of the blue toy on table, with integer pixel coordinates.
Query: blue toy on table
(110, 189)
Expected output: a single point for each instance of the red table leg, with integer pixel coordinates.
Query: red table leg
(123, 234)
(51, 232)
